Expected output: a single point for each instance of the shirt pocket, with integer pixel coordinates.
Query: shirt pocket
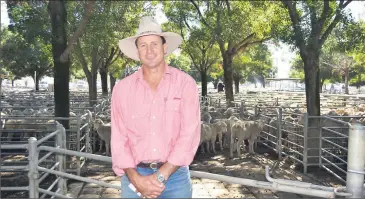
(172, 119)
(139, 120)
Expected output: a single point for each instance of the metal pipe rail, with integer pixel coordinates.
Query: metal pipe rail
(273, 184)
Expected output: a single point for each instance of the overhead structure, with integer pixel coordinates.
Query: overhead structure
(284, 84)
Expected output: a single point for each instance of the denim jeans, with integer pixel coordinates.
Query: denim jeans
(178, 185)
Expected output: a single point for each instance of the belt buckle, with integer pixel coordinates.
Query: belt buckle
(153, 165)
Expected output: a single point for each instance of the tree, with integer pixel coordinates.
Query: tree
(312, 22)
(61, 50)
(28, 51)
(236, 26)
(23, 59)
(93, 50)
(202, 52)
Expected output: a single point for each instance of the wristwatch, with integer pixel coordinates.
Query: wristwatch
(160, 177)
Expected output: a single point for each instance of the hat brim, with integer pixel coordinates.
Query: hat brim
(128, 46)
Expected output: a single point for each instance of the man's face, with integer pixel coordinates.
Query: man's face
(151, 50)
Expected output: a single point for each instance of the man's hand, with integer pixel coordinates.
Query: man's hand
(148, 186)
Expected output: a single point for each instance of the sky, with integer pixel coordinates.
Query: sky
(281, 55)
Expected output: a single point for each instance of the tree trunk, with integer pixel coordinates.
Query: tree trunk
(228, 78)
(92, 89)
(358, 81)
(311, 70)
(321, 85)
(215, 83)
(37, 83)
(58, 15)
(203, 76)
(92, 76)
(236, 83)
(104, 80)
(347, 81)
(112, 82)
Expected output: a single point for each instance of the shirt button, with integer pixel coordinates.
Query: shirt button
(153, 117)
(154, 101)
(132, 116)
(154, 149)
(153, 133)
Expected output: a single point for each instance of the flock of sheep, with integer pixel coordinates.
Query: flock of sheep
(229, 127)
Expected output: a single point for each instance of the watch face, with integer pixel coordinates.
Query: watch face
(160, 178)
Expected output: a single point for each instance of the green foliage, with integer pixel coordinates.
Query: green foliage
(23, 59)
(181, 62)
(109, 22)
(256, 61)
(27, 49)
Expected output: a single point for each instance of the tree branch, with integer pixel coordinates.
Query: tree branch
(294, 17)
(201, 16)
(192, 59)
(116, 57)
(326, 12)
(77, 34)
(83, 61)
(244, 41)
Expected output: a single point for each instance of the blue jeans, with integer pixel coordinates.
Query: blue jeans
(178, 185)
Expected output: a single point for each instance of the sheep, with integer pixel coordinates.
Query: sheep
(11, 124)
(104, 131)
(206, 117)
(245, 130)
(205, 136)
(229, 112)
(227, 136)
(217, 128)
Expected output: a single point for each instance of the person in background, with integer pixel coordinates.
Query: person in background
(155, 119)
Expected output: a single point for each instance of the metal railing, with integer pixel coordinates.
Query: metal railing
(354, 187)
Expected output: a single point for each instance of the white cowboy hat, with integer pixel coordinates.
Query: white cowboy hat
(149, 26)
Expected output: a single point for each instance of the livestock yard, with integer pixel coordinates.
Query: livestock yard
(289, 154)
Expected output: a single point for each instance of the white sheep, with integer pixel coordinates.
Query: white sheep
(245, 130)
(227, 135)
(218, 129)
(104, 132)
(205, 136)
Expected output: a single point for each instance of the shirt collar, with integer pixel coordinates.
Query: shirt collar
(140, 71)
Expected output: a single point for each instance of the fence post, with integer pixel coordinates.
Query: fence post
(305, 144)
(256, 112)
(320, 146)
(355, 161)
(241, 109)
(33, 174)
(78, 147)
(94, 134)
(279, 134)
(61, 159)
(87, 133)
(219, 102)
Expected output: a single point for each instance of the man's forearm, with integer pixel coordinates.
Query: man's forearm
(132, 174)
(167, 169)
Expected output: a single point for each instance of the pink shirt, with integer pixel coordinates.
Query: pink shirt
(147, 127)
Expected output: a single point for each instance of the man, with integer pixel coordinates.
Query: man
(155, 119)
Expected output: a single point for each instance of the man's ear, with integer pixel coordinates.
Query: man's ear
(165, 48)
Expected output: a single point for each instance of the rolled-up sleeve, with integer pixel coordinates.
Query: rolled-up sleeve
(120, 152)
(188, 140)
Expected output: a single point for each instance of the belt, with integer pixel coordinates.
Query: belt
(152, 165)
